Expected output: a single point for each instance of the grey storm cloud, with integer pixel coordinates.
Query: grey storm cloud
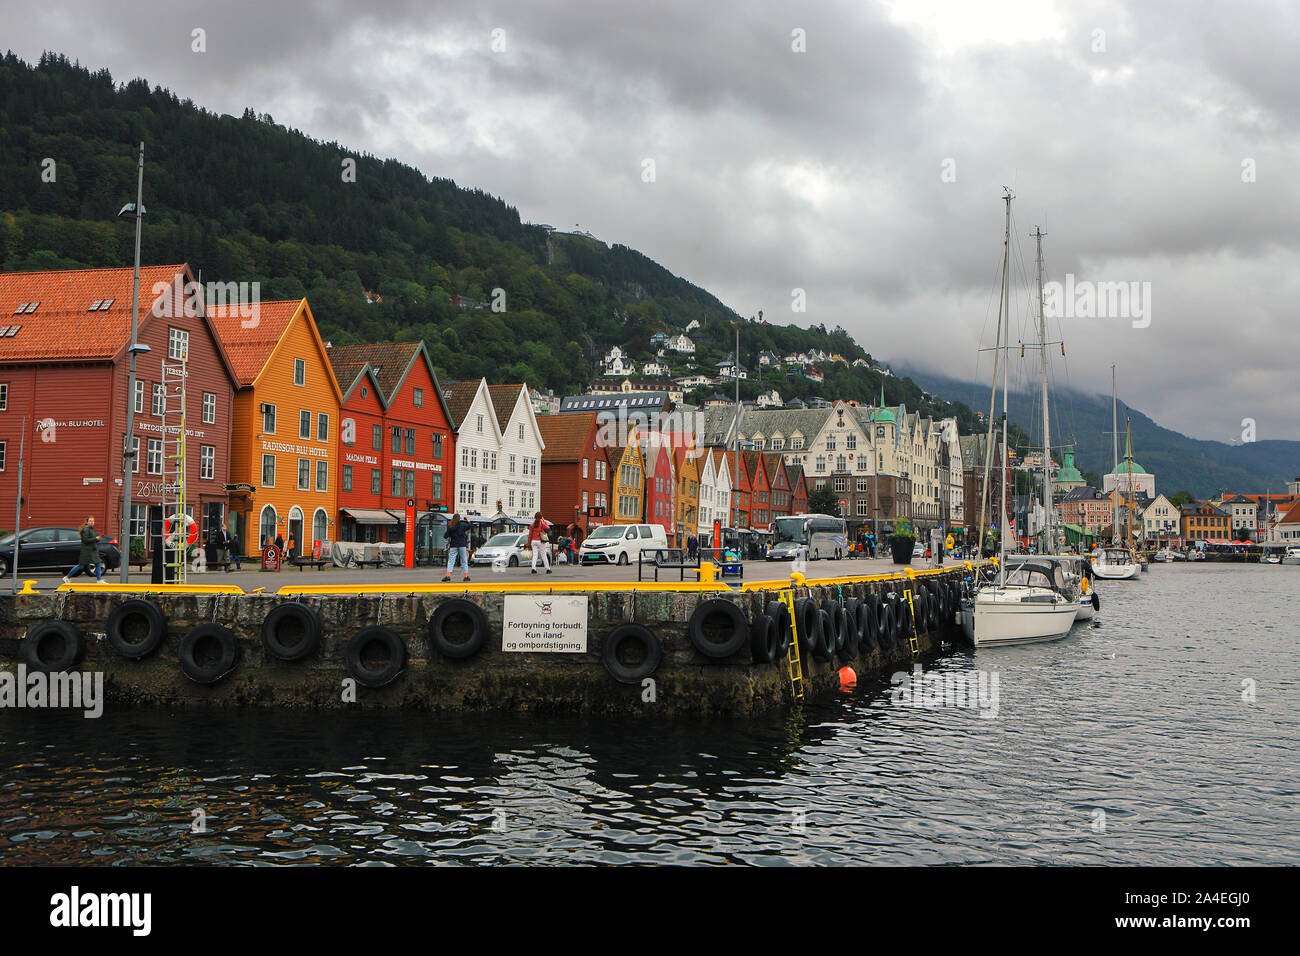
(824, 170)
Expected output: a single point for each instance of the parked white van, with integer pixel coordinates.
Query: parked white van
(621, 543)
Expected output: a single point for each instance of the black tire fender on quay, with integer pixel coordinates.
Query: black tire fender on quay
(1096, 602)
(762, 639)
(825, 649)
(805, 613)
(617, 639)
(53, 646)
(291, 632)
(718, 628)
(354, 656)
(135, 628)
(885, 624)
(458, 628)
(855, 618)
(779, 613)
(871, 616)
(835, 620)
(198, 662)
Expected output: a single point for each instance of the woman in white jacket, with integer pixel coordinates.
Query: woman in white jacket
(539, 541)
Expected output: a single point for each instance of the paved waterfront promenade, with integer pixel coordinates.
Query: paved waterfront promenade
(251, 577)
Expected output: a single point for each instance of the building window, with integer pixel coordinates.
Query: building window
(480, 423)
(154, 465)
(482, 490)
(2, 456)
(376, 437)
(437, 447)
(322, 427)
(796, 443)
(347, 477)
(410, 441)
(304, 474)
(511, 465)
(322, 475)
(841, 484)
(4, 396)
(396, 484)
(521, 431)
(851, 441)
(376, 476)
(209, 408)
(268, 418)
(418, 397)
(159, 406)
(830, 442)
(304, 424)
(841, 464)
(821, 463)
(207, 461)
(299, 372)
(397, 440)
(135, 456)
(584, 467)
(178, 344)
(139, 397)
(436, 494)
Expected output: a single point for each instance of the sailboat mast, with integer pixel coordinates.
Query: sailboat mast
(1114, 454)
(1047, 426)
(1002, 492)
(997, 356)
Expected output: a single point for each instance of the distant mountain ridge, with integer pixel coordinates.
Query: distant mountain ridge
(1179, 462)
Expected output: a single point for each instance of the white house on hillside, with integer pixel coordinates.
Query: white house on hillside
(680, 343)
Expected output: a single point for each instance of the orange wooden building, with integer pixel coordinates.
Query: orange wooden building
(284, 440)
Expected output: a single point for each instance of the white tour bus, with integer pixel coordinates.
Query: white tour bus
(823, 536)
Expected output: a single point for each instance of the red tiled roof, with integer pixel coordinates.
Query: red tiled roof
(390, 360)
(565, 436)
(1292, 516)
(459, 397)
(63, 327)
(249, 341)
(503, 402)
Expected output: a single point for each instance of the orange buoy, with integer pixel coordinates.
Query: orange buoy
(848, 679)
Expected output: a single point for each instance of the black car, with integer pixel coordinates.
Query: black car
(52, 549)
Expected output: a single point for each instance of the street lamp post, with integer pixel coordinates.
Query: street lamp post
(128, 450)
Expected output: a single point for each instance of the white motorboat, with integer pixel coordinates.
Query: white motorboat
(1271, 557)
(1292, 556)
(1115, 564)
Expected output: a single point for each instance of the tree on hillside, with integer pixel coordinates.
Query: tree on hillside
(1180, 498)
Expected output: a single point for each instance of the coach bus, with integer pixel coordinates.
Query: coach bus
(816, 536)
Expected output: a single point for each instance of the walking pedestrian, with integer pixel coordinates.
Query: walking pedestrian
(540, 541)
(236, 551)
(692, 546)
(457, 545)
(89, 555)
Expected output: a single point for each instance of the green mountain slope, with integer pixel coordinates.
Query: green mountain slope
(245, 199)
(1179, 463)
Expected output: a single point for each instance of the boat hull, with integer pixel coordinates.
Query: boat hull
(1115, 572)
(998, 617)
(1086, 611)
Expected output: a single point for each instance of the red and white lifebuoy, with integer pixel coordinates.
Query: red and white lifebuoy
(171, 530)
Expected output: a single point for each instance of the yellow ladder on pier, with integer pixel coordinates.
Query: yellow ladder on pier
(794, 664)
(911, 632)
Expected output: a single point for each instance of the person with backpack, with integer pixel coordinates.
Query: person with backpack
(539, 541)
(457, 545)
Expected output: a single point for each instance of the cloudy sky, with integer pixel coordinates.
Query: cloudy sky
(855, 151)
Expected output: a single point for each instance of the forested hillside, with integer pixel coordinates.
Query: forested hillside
(247, 199)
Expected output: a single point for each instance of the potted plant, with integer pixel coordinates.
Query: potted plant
(902, 541)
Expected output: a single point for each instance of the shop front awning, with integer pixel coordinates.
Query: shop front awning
(371, 516)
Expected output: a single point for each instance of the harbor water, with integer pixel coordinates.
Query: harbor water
(1167, 732)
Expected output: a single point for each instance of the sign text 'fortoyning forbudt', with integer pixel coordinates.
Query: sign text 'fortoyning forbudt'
(545, 623)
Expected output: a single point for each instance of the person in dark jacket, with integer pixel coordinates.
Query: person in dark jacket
(89, 556)
(457, 545)
(236, 551)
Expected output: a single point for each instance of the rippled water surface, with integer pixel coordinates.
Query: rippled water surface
(1127, 742)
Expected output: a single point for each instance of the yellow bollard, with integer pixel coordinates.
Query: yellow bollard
(706, 572)
(29, 587)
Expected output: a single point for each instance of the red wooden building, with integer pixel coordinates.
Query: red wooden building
(395, 439)
(575, 472)
(798, 489)
(760, 502)
(742, 493)
(660, 483)
(64, 370)
(780, 499)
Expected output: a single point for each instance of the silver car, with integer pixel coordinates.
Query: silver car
(510, 548)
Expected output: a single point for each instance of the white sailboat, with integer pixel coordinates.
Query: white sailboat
(1026, 604)
(1117, 562)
